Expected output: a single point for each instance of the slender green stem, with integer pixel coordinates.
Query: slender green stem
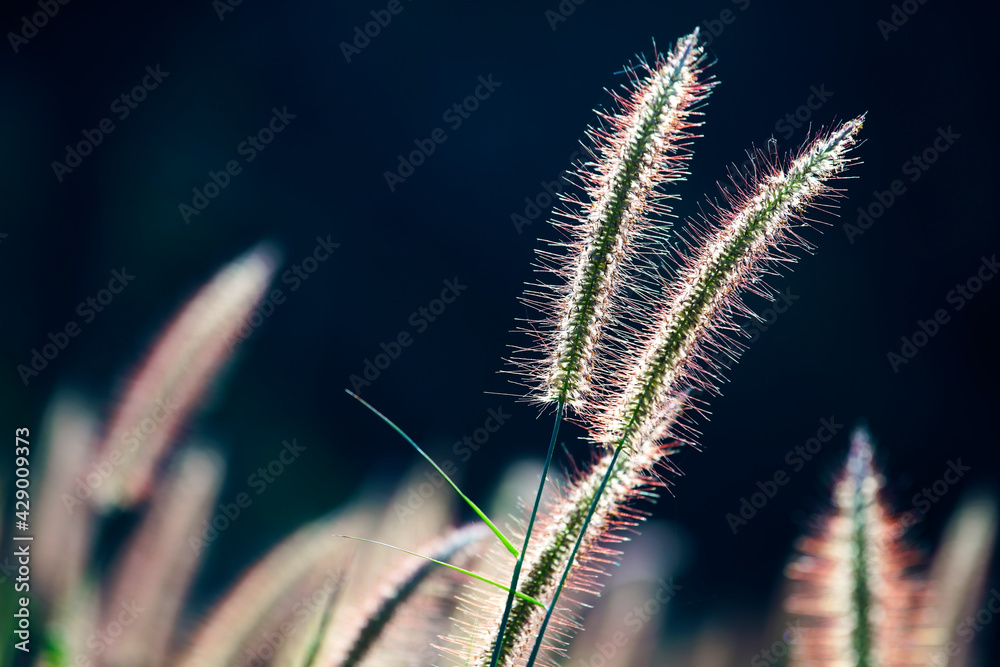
(527, 537)
(572, 556)
(480, 577)
(475, 508)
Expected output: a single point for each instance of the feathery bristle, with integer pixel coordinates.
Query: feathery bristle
(175, 377)
(860, 606)
(633, 479)
(689, 343)
(643, 147)
(647, 585)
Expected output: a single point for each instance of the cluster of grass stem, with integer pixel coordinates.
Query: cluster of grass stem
(628, 393)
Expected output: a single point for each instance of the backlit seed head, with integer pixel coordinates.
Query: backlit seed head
(617, 224)
(859, 603)
(634, 480)
(174, 378)
(689, 344)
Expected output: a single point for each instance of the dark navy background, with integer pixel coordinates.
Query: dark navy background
(323, 176)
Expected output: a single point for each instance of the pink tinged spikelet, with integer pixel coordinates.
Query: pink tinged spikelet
(644, 147)
(633, 598)
(64, 524)
(265, 595)
(681, 350)
(633, 479)
(175, 377)
(384, 634)
(372, 562)
(961, 570)
(859, 605)
(152, 576)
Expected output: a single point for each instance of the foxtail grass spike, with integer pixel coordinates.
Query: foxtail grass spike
(248, 609)
(859, 605)
(64, 521)
(688, 342)
(638, 150)
(960, 571)
(632, 479)
(404, 586)
(176, 375)
(652, 563)
(373, 565)
(475, 508)
(158, 566)
(681, 351)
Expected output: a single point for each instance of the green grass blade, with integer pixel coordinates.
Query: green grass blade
(475, 508)
(480, 577)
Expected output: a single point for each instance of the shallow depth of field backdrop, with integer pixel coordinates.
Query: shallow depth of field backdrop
(350, 106)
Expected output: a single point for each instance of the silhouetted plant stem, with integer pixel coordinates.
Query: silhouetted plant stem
(527, 536)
